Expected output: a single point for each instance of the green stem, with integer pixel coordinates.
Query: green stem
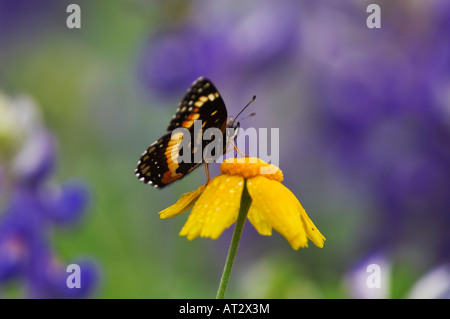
(238, 228)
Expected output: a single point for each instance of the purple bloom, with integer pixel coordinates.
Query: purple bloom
(37, 159)
(227, 45)
(34, 206)
(264, 38)
(370, 277)
(49, 279)
(20, 17)
(25, 246)
(66, 204)
(22, 234)
(433, 285)
(173, 58)
(384, 116)
(12, 255)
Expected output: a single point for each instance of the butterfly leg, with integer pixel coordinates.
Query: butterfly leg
(236, 149)
(207, 172)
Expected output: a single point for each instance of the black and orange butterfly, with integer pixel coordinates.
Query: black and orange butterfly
(202, 102)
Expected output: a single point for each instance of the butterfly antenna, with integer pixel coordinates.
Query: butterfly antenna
(250, 102)
(252, 114)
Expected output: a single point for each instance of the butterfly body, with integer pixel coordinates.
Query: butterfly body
(158, 165)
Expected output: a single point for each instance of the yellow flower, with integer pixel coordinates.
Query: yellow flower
(216, 204)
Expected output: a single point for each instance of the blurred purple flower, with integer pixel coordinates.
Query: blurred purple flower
(37, 158)
(371, 278)
(227, 45)
(49, 279)
(65, 205)
(24, 16)
(173, 58)
(22, 234)
(33, 206)
(264, 38)
(383, 122)
(435, 284)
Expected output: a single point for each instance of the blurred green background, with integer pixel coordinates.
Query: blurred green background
(104, 115)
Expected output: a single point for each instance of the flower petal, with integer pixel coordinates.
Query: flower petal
(185, 202)
(216, 209)
(311, 230)
(259, 221)
(283, 211)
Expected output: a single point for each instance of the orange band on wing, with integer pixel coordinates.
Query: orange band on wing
(169, 177)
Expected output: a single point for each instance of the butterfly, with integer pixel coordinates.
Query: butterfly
(158, 165)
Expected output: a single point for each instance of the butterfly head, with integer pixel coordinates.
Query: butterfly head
(232, 128)
(231, 121)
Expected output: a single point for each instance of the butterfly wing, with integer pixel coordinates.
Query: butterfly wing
(202, 101)
(158, 165)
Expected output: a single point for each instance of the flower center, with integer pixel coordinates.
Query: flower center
(249, 167)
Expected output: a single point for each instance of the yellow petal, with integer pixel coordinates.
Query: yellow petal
(311, 230)
(257, 219)
(185, 202)
(283, 211)
(216, 209)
